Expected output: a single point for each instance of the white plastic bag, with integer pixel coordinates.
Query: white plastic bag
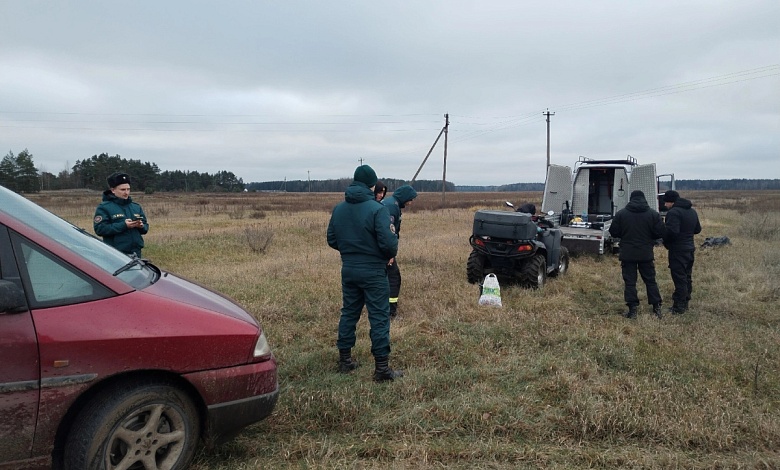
(491, 291)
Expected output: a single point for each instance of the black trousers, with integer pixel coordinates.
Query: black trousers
(647, 271)
(681, 267)
(394, 278)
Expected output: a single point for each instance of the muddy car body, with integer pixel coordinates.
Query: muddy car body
(105, 357)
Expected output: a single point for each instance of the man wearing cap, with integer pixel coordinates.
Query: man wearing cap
(120, 221)
(638, 227)
(359, 229)
(682, 223)
(402, 197)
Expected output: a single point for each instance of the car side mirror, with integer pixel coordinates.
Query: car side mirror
(11, 298)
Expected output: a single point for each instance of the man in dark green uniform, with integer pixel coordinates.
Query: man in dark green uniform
(359, 229)
(120, 221)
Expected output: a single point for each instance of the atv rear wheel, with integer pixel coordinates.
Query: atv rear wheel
(534, 272)
(475, 267)
(563, 262)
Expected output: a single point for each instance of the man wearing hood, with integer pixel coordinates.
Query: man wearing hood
(638, 227)
(380, 191)
(120, 221)
(360, 230)
(682, 223)
(402, 197)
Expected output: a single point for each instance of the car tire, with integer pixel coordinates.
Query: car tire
(148, 425)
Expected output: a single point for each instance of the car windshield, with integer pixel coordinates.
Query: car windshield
(76, 239)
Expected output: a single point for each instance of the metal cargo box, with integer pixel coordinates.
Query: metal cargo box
(503, 224)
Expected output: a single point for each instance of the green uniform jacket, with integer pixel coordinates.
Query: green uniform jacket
(359, 229)
(396, 202)
(109, 223)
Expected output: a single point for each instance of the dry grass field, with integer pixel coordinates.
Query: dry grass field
(556, 378)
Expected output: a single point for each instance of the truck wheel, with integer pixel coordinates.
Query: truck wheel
(563, 262)
(534, 272)
(475, 267)
(150, 425)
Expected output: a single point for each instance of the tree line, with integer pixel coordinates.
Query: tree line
(339, 185)
(18, 173)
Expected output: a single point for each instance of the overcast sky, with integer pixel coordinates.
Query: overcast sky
(309, 89)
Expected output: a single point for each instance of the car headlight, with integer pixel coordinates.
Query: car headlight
(262, 349)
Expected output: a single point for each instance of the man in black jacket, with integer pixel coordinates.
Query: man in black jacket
(682, 223)
(638, 227)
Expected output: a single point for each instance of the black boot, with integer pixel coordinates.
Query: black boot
(383, 372)
(346, 362)
(657, 310)
(631, 312)
(677, 309)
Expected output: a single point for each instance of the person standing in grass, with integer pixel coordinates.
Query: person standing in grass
(360, 230)
(638, 227)
(682, 223)
(120, 221)
(402, 197)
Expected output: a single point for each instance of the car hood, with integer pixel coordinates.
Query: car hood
(171, 286)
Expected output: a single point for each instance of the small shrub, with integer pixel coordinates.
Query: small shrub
(237, 213)
(258, 238)
(162, 211)
(762, 226)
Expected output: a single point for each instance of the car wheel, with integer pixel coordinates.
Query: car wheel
(146, 426)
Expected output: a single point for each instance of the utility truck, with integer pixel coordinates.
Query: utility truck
(588, 197)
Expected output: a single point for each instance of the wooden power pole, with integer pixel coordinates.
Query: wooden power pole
(444, 131)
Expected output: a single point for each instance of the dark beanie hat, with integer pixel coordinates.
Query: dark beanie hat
(637, 193)
(117, 178)
(366, 175)
(671, 196)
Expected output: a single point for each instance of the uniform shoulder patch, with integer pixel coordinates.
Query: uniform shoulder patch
(98, 219)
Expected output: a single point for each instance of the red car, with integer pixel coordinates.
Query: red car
(107, 362)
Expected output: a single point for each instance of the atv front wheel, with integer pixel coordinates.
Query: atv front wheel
(475, 267)
(563, 262)
(534, 272)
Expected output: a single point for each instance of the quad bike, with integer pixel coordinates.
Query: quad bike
(518, 247)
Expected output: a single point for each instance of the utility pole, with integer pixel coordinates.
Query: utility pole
(548, 114)
(308, 172)
(361, 161)
(443, 130)
(444, 172)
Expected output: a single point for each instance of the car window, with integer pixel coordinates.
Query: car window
(50, 281)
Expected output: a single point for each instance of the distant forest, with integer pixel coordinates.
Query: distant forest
(435, 186)
(18, 173)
